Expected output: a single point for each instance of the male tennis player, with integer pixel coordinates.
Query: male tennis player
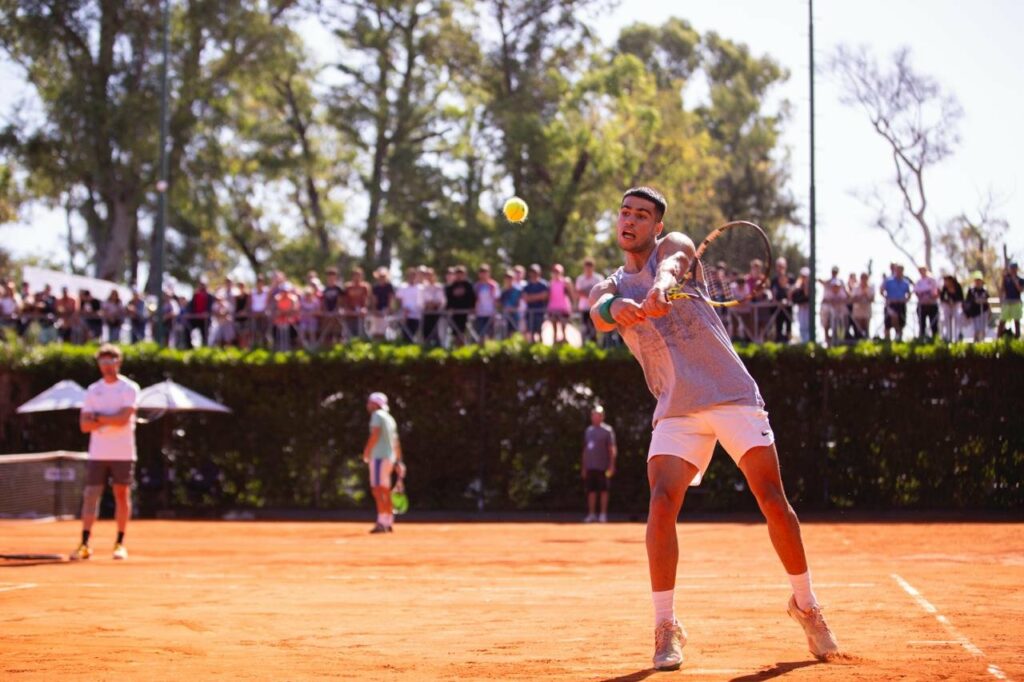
(383, 453)
(108, 416)
(705, 394)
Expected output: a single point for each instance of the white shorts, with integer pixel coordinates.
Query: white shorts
(692, 438)
(380, 472)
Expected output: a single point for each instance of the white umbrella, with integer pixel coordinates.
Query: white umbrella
(168, 396)
(63, 395)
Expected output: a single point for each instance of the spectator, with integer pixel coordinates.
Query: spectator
(90, 309)
(560, 302)
(896, 292)
(182, 332)
(951, 300)
(114, 315)
(309, 315)
(331, 305)
(223, 314)
(199, 309)
(520, 283)
(67, 309)
(487, 294)
(1010, 305)
(45, 313)
(535, 293)
(410, 298)
(313, 281)
(286, 317)
(862, 297)
(137, 316)
(800, 296)
(259, 312)
(976, 307)
(511, 297)
(851, 283)
(169, 313)
(584, 283)
(927, 291)
(833, 308)
(759, 296)
(9, 306)
(242, 315)
(357, 297)
(781, 284)
(598, 465)
(433, 304)
(382, 296)
(26, 308)
(459, 300)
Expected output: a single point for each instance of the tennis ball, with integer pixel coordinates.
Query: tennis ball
(515, 210)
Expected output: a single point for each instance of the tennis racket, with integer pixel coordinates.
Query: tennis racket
(725, 270)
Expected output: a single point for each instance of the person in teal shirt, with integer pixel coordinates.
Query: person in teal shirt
(383, 454)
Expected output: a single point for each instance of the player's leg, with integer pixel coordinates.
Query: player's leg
(122, 513)
(604, 506)
(95, 479)
(668, 477)
(760, 466)
(591, 504)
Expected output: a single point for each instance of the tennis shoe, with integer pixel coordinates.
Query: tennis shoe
(603, 518)
(820, 640)
(669, 640)
(590, 518)
(82, 553)
(378, 528)
(120, 552)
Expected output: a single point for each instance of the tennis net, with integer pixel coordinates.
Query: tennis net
(42, 485)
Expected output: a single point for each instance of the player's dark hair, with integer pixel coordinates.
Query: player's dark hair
(650, 194)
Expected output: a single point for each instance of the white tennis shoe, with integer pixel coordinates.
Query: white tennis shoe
(669, 640)
(120, 552)
(820, 640)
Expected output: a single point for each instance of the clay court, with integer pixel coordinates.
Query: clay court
(522, 601)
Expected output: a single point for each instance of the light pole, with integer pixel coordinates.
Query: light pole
(813, 217)
(156, 263)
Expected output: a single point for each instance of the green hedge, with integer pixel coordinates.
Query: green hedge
(499, 426)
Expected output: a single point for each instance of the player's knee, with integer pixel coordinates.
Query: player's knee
(773, 504)
(91, 499)
(665, 503)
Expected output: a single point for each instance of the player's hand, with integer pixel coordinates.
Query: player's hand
(610, 472)
(400, 469)
(627, 312)
(656, 304)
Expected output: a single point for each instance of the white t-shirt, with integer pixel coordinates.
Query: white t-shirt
(411, 298)
(258, 301)
(486, 298)
(112, 443)
(583, 286)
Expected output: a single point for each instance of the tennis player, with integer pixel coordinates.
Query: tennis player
(705, 394)
(383, 453)
(108, 416)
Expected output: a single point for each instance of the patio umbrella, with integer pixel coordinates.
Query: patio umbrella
(63, 395)
(168, 396)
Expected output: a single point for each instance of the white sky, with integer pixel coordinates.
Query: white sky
(974, 50)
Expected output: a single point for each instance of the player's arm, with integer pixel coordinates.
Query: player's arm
(676, 253)
(607, 303)
(613, 452)
(370, 442)
(119, 418)
(87, 421)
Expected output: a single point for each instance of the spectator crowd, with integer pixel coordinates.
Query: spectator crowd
(453, 310)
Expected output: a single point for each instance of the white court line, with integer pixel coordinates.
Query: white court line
(773, 586)
(960, 639)
(10, 587)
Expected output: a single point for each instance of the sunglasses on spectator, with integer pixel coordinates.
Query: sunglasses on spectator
(108, 361)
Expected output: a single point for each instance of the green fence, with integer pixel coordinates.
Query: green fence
(499, 427)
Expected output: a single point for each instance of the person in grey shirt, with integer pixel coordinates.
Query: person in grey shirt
(598, 464)
(705, 395)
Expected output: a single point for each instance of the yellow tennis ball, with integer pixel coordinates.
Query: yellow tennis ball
(515, 210)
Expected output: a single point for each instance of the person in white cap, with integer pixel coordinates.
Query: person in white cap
(383, 453)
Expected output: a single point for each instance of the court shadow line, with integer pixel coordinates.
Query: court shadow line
(777, 670)
(633, 677)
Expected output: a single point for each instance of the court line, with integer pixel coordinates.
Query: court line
(993, 670)
(10, 587)
(772, 586)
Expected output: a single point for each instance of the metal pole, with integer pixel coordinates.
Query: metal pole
(813, 217)
(156, 265)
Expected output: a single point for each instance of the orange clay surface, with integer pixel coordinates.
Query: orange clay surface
(512, 601)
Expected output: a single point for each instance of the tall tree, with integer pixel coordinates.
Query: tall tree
(918, 121)
(94, 65)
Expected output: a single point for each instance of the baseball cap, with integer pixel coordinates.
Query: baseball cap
(378, 399)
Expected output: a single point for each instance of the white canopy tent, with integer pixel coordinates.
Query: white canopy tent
(168, 396)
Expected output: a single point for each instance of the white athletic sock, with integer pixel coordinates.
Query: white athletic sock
(382, 519)
(664, 606)
(802, 590)
(389, 520)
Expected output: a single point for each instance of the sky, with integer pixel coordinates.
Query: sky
(973, 49)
